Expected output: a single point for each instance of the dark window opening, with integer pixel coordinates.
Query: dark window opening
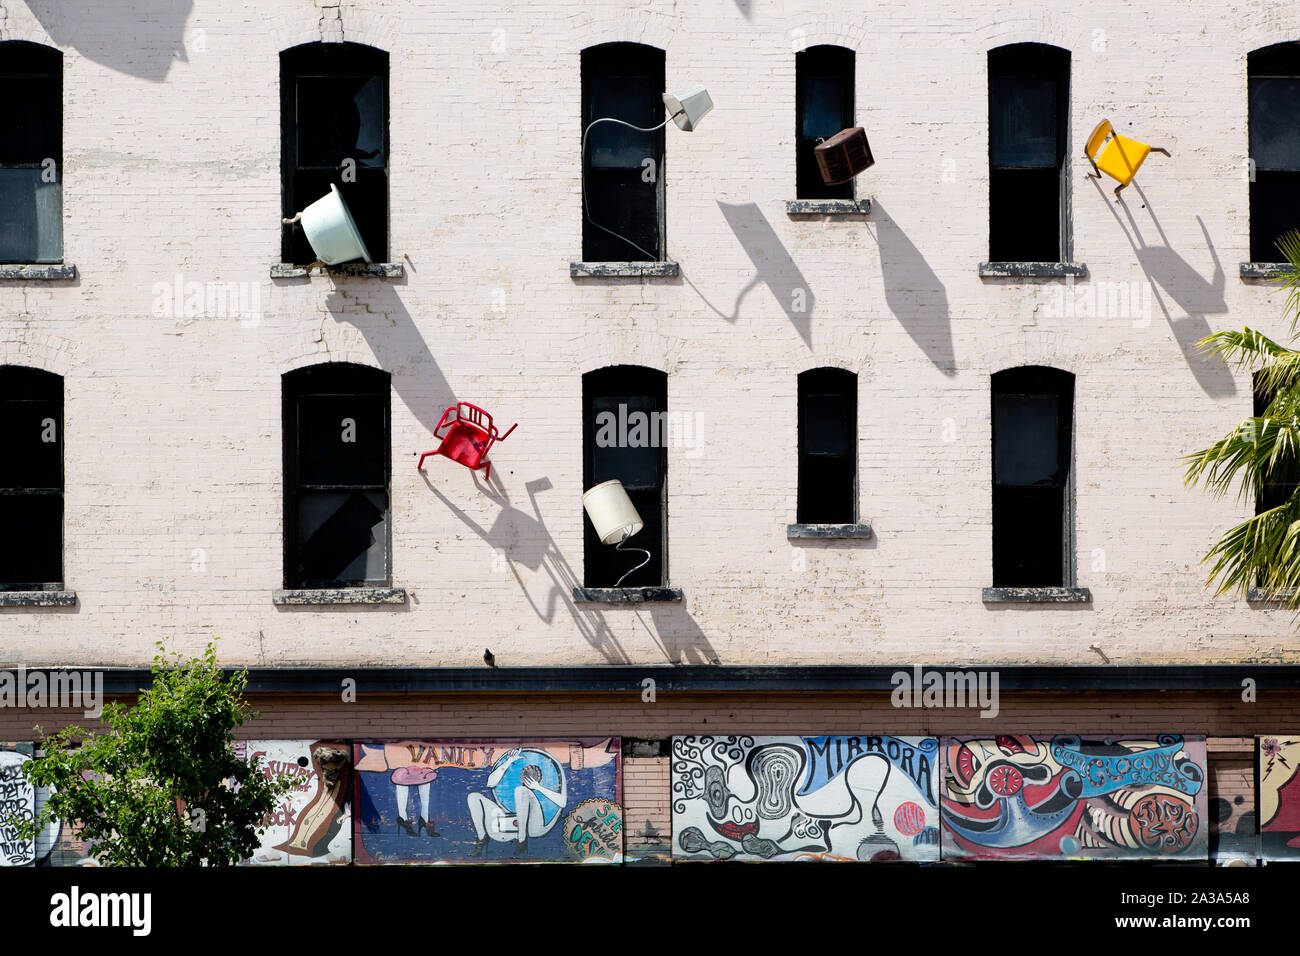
(1029, 91)
(31, 479)
(823, 107)
(623, 169)
(337, 469)
(625, 423)
(1274, 121)
(828, 446)
(1277, 489)
(1033, 410)
(334, 130)
(31, 153)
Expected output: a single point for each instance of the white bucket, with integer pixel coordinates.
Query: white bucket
(611, 512)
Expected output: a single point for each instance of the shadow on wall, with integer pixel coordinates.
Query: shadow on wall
(1168, 272)
(913, 292)
(524, 539)
(397, 345)
(680, 637)
(773, 267)
(137, 37)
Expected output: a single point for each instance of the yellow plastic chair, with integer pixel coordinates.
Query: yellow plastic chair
(1117, 156)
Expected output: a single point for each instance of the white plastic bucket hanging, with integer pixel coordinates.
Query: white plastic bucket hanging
(615, 519)
(329, 228)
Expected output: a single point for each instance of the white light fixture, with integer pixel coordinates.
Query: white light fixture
(685, 110)
(689, 108)
(333, 235)
(615, 518)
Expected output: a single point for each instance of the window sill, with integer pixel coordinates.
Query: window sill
(38, 272)
(1033, 270)
(298, 597)
(1037, 596)
(1263, 596)
(1266, 270)
(52, 598)
(827, 207)
(355, 270)
(828, 531)
(615, 270)
(626, 595)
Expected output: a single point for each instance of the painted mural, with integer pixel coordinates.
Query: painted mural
(20, 801)
(1028, 797)
(1279, 797)
(313, 823)
(489, 801)
(849, 798)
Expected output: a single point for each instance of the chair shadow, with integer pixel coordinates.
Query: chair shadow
(1168, 272)
(913, 292)
(144, 46)
(523, 539)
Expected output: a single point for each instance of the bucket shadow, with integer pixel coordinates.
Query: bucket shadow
(140, 38)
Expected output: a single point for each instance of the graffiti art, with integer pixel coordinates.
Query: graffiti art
(1024, 797)
(20, 801)
(486, 801)
(849, 798)
(1279, 797)
(313, 822)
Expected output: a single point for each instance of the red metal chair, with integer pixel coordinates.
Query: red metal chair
(467, 434)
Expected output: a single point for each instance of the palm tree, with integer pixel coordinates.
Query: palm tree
(1263, 454)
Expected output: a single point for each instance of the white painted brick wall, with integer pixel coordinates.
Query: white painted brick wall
(173, 430)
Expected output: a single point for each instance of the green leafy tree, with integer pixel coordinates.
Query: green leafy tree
(1260, 456)
(163, 786)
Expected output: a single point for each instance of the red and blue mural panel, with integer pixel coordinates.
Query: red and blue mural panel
(1017, 796)
(489, 801)
(1279, 796)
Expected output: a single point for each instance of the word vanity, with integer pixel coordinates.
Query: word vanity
(103, 910)
(68, 690)
(946, 689)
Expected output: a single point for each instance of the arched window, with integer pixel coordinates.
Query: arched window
(625, 436)
(1033, 415)
(622, 169)
(334, 130)
(828, 446)
(337, 469)
(824, 106)
(1273, 83)
(1029, 113)
(31, 479)
(31, 153)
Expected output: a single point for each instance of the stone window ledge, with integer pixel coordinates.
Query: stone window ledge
(38, 272)
(354, 270)
(51, 598)
(1263, 596)
(827, 207)
(1033, 270)
(626, 595)
(298, 597)
(1266, 270)
(1037, 596)
(828, 531)
(616, 270)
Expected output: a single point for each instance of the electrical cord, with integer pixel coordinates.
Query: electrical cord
(586, 212)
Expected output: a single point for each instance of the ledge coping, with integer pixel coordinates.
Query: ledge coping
(828, 531)
(1032, 270)
(827, 207)
(38, 272)
(355, 270)
(1266, 270)
(1264, 596)
(626, 595)
(614, 270)
(1037, 596)
(323, 596)
(36, 598)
